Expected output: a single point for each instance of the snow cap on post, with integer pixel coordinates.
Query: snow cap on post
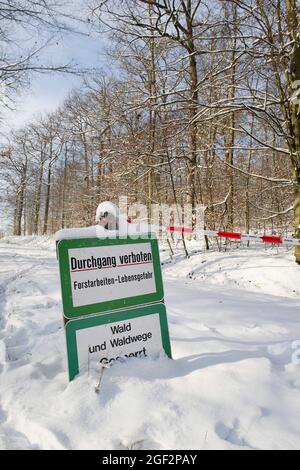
(109, 207)
(107, 215)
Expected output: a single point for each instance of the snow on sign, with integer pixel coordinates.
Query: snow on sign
(104, 339)
(100, 275)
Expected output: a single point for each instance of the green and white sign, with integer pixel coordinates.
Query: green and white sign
(101, 275)
(104, 339)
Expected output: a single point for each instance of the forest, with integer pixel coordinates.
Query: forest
(199, 104)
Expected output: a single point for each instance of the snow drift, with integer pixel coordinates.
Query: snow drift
(234, 321)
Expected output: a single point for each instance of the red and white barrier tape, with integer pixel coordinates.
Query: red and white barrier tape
(275, 240)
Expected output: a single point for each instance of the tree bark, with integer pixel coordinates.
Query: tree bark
(193, 128)
(37, 204)
(232, 121)
(20, 201)
(297, 213)
(292, 16)
(152, 121)
(63, 210)
(47, 203)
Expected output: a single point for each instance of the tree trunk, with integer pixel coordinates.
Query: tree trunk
(152, 121)
(47, 203)
(18, 214)
(193, 109)
(231, 131)
(100, 172)
(247, 192)
(297, 214)
(230, 161)
(20, 201)
(292, 16)
(192, 160)
(37, 204)
(63, 210)
(87, 194)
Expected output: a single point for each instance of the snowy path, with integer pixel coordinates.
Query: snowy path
(233, 319)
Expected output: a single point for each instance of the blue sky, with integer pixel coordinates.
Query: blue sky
(47, 91)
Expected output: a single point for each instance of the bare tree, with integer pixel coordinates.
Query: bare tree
(26, 28)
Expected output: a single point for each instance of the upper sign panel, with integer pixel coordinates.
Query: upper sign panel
(99, 275)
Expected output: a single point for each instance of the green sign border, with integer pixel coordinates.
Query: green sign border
(113, 317)
(70, 311)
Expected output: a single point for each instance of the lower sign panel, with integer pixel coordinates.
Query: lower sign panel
(140, 332)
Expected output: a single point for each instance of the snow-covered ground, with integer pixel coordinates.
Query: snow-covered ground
(233, 318)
